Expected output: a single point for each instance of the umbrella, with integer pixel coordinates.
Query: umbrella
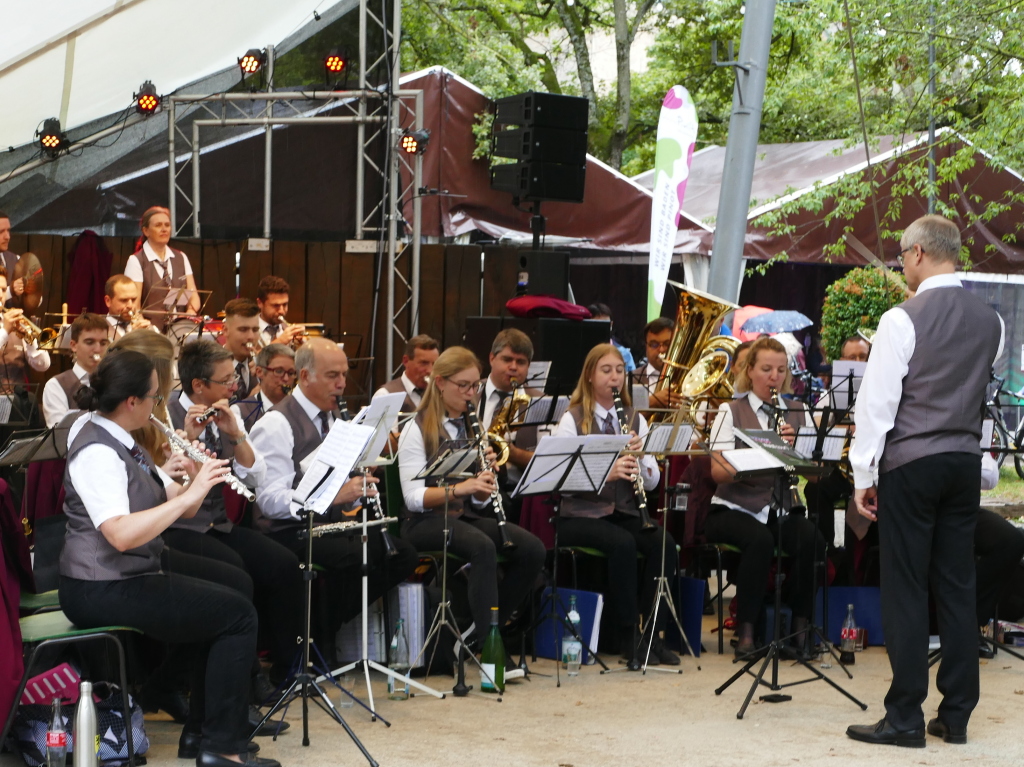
(743, 314)
(776, 322)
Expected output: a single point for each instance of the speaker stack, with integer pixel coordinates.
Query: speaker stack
(546, 135)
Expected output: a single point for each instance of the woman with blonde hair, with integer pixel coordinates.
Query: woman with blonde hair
(742, 512)
(451, 391)
(162, 274)
(610, 520)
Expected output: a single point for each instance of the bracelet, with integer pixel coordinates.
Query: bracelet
(242, 439)
(450, 490)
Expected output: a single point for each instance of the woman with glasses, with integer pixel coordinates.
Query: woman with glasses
(277, 374)
(117, 505)
(451, 391)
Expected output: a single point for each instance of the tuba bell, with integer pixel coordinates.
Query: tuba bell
(709, 382)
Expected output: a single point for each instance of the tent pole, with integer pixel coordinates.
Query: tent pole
(268, 149)
(172, 197)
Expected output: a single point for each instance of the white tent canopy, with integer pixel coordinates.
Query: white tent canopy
(83, 59)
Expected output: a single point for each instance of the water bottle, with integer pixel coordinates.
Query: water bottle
(86, 739)
(492, 658)
(56, 738)
(848, 639)
(572, 648)
(398, 660)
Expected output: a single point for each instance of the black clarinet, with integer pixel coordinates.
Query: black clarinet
(646, 524)
(474, 430)
(390, 549)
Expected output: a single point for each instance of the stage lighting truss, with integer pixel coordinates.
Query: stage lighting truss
(336, 62)
(414, 141)
(251, 62)
(52, 139)
(147, 99)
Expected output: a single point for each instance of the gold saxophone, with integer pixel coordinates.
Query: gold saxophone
(514, 404)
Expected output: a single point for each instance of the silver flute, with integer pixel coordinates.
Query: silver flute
(197, 455)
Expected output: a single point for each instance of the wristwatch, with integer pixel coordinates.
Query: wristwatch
(243, 438)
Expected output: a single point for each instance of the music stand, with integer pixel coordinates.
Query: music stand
(450, 464)
(786, 464)
(571, 464)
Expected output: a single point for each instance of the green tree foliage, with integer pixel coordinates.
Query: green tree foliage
(858, 300)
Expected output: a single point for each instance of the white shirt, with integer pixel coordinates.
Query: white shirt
(882, 387)
(116, 331)
(649, 377)
(265, 338)
(273, 438)
(253, 475)
(37, 359)
(98, 473)
(55, 400)
(723, 437)
(648, 464)
(412, 458)
(410, 391)
(133, 269)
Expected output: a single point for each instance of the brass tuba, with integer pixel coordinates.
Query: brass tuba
(709, 382)
(696, 319)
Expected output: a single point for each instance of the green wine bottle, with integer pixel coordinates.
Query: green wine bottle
(492, 658)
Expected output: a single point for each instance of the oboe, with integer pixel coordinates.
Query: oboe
(646, 525)
(474, 430)
(197, 455)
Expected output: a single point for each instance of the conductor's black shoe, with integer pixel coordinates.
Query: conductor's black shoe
(206, 759)
(885, 734)
(270, 727)
(985, 650)
(189, 742)
(940, 729)
(665, 655)
(173, 702)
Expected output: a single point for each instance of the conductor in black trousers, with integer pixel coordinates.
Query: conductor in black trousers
(918, 418)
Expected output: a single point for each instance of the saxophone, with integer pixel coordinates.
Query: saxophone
(646, 524)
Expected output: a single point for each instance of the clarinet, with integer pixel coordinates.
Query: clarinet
(390, 549)
(646, 524)
(794, 501)
(197, 455)
(473, 428)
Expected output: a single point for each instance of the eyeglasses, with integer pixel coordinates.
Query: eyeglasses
(659, 345)
(233, 381)
(283, 372)
(899, 258)
(465, 386)
(157, 398)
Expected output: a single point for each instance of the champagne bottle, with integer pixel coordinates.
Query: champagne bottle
(492, 658)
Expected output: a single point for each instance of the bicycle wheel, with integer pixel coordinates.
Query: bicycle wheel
(1001, 440)
(1018, 460)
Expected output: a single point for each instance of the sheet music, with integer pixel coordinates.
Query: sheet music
(381, 414)
(751, 459)
(537, 412)
(450, 462)
(842, 370)
(5, 408)
(660, 434)
(551, 461)
(832, 445)
(537, 375)
(340, 451)
(641, 397)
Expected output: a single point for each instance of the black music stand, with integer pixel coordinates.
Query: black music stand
(779, 647)
(578, 467)
(450, 464)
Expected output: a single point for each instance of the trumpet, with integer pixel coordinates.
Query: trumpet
(474, 430)
(197, 455)
(31, 332)
(646, 524)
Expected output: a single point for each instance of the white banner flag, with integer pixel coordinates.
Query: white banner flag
(677, 136)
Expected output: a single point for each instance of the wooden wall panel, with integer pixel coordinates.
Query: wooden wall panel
(289, 263)
(461, 290)
(356, 307)
(432, 261)
(323, 283)
(120, 248)
(218, 274)
(255, 265)
(501, 271)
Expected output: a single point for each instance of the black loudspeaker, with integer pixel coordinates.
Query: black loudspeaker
(565, 343)
(550, 110)
(542, 273)
(566, 147)
(540, 181)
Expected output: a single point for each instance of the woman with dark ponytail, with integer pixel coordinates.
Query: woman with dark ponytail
(162, 274)
(117, 504)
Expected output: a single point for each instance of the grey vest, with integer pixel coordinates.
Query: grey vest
(87, 555)
(395, 386)
(307, 439)
(212, 512)
(155, 286)
(940, 411)
(616, 495)
(457, 507)
(753, 494)
(71, 385)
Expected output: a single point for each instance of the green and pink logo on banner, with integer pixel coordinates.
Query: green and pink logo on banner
(677, 136)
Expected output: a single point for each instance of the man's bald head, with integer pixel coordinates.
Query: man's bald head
(323, 371)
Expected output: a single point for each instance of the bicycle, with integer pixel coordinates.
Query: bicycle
(1003, 440)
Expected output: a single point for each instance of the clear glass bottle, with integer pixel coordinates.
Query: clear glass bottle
(572, 648)
(398, 660)
(492, 658)
(56, 738)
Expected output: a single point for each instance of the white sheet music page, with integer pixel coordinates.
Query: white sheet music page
(641, 397)
(382, 410)
(340, 451)
(842, 372)
(552, 457)
(537, 375)
(751, 459)
(537, 412)
(660, 438)
(832, 446)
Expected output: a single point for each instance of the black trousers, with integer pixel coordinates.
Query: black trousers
(478, 542)
(756, 541)
(275, 573)
(927, 510)
(998, 549)
(821, 497)
(217, 620)
(618, 536)
(341, 555)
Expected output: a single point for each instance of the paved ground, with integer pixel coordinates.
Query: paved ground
(629, 719)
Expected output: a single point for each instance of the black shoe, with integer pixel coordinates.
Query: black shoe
(206, 759)
(940, 729)
(173, 702)
(885, 734)
(985, 650)
(741, 649)
(261, 690)
(188, 745)
(628, 648)
(271, 727)
(663, 654)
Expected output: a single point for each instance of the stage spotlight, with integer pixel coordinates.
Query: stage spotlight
(415, 141)
(251, 62)
(51, 137)
(335, 62)
(147, 99)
